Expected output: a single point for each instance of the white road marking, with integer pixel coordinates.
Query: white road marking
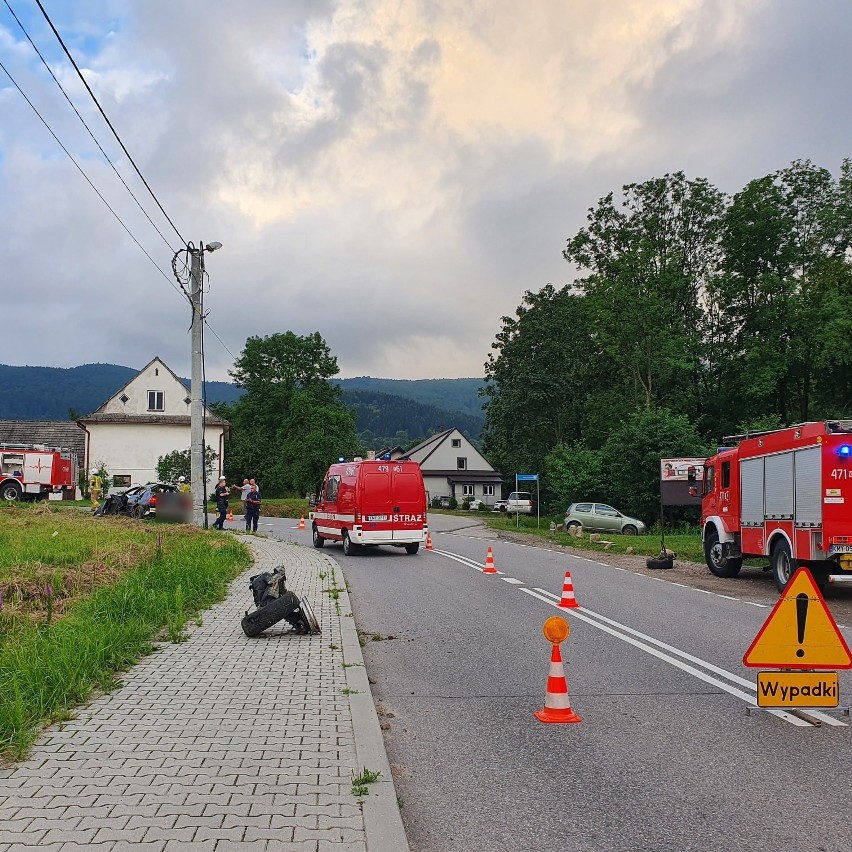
(553, 600)
(671, 660)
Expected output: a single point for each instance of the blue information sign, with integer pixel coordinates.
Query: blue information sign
(526, 477)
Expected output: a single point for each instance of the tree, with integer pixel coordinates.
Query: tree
(630, 458)
(536, 380)
(178, 463)
(291, 423)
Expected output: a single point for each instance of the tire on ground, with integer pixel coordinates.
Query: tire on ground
(659, 562)
(256, 622)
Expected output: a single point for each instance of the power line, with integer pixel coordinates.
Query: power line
(83, 121)
(109, 123)
(88, 180)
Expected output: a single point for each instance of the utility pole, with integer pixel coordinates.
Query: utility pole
(196, 411)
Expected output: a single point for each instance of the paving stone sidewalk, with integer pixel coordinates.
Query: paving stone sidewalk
(220, 742)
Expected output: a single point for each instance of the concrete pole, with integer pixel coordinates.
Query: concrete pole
(196, 454)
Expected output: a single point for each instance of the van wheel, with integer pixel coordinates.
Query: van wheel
(412, 548)
(719, 564)
(783, 565)
(349, 548)
(319, 541)
(256, 622)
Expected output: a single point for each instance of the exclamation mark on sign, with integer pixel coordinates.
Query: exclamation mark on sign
(801, 617)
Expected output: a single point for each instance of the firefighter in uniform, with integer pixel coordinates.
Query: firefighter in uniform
(183, 485)
(96, 487)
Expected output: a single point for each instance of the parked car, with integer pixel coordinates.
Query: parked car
(520, 503)
(599, 517)
(142, 499)
(500, 506)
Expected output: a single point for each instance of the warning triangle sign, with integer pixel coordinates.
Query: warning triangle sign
(800, 632)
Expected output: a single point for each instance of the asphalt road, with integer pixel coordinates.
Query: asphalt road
(666, 757)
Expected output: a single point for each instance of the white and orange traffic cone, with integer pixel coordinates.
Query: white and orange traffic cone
(429, 541)
(557, 707)
(489, 562)
(568, 601)
(302, 522)
(231, 515)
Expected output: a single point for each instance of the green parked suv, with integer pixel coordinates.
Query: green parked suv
(598, 517)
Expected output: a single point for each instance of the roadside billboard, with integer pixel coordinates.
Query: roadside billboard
(674, 481)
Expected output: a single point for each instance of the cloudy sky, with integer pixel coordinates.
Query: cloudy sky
(393, 174)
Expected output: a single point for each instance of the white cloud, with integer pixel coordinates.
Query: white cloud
(392, 174)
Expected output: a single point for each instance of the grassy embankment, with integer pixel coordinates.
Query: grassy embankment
(82, 600)
(685, 543)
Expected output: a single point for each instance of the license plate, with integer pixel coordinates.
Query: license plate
(377, 517)
(840, 548)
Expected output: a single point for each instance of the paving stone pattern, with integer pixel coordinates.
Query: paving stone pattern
(221, 742)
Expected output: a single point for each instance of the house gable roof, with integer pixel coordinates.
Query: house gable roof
(425, 449)
(102, 414)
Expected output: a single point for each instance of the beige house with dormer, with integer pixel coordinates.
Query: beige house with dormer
(453, 467)
(147, 418)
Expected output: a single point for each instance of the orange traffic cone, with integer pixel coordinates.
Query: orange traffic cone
(568, 600)
(429, 541)
(489, 562)
(302, 522)
(231, 515)
(557, 707)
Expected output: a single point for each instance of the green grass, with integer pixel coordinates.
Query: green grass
(686, 544)
(84, 597)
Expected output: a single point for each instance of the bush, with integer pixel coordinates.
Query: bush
(454, 504)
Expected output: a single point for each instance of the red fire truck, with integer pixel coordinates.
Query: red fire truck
(34, 471)
(369, 502)
(785, 494)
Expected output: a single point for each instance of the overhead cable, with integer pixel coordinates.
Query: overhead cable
(83, 121)
(88, 180)
(109, 123)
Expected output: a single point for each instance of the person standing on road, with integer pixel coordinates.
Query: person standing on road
(252, 508)
(183, 485)
(221, 492)
(244, 490)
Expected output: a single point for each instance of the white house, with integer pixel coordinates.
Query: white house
(453, 467)
(147, 418)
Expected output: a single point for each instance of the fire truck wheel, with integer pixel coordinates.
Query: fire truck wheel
(783, 565)
(719, 564)
(349, 548)
(11, 491)
(412, 548)
(319, 541)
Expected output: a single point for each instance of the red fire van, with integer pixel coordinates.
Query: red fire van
(365, 503)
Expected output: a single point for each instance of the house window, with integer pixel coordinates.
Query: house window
(461, 463)
(468, 490)
(155, 400)
(456, 442)
(121, 480)
(487, 490)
